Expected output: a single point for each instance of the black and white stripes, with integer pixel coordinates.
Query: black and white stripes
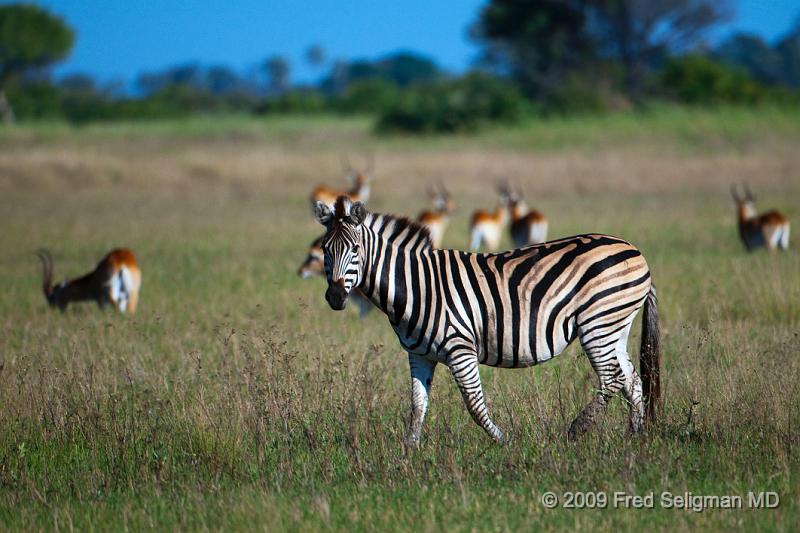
(513, 309)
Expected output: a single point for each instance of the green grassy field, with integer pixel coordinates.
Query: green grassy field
(236, 398)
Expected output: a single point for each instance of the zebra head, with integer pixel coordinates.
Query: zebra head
(341, 247)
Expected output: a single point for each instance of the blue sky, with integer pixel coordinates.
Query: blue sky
(118, 39)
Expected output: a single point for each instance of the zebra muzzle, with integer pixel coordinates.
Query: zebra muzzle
(336, 295)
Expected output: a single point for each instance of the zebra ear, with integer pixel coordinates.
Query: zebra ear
(323, 213)
(358, 213)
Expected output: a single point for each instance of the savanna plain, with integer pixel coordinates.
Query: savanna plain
(236, 399)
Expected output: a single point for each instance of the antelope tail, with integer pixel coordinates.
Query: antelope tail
(47, 272)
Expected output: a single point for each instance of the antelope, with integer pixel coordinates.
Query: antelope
(770, 229)
(486, 228)
(527, 226)
(437, 220)
(360, 185)
(116, 280)
(314, 265)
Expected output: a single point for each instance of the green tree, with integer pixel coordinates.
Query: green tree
(537, 42)
(542, 43)
(788, 48)
(751, 53)
(30, 38)
(277, 70)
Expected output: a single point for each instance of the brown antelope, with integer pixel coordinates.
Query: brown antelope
(359, 189)
(314, 265)
(528, 226)
(115, 280)
(770, 229)
(437, 220)
(486, 228)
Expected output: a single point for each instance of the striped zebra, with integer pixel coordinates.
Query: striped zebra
(513, 309)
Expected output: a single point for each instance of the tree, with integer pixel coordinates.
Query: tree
(751, 53)
(30, 38)
(277, 71)
(637, 32)
(315, 56)
(788, 49)
(542, 43)
(400, 69)
(537, 42)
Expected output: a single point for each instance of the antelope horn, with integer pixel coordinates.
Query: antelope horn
(370, 163)
(750, 195)
(734, 192)
(345, 161)
(47, 272)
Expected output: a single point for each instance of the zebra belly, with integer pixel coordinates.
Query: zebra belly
(533, 354)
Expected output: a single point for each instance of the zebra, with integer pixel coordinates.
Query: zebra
(512, 309)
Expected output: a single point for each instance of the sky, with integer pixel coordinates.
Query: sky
(118, 39)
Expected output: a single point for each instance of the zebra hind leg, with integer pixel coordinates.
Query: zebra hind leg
(603, 355)
(464, 367)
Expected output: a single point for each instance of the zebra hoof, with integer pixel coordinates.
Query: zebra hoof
(577, 430)
(411, 443)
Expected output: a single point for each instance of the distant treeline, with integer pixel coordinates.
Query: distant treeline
(539, 57)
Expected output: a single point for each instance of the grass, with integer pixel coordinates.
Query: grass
(236, 399)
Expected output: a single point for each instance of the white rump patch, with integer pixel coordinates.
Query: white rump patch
(121, 287)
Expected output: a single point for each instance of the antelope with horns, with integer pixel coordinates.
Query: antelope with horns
(314, 265)
(770, 229)
(437, 220)
(486, 228)
(115, 280)
(359, 184)
(528, 226)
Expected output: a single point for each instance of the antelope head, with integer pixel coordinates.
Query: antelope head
(441, 199)
(746, 202)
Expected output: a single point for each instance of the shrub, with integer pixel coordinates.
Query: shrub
(368, 96)
(460, 105)
(295, 101)
(35, 100)
(696, 79)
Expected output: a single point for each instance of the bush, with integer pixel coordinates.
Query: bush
(295, 101)
(700, 80)
(460, 105)
(35, 101)
(580, 94)
(368, 96)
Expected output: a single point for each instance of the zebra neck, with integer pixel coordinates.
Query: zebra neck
(397, 251)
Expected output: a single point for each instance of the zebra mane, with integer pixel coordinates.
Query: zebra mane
(389, 226)
(392, 226)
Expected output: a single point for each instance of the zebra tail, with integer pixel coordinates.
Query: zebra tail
(650, 357)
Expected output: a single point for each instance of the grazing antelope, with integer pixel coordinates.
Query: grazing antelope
(527, 226)
(314, 265)
(115, 280)
(437, 220)
(511, 310)
(360, 184)
(485, 228)
(770, 229)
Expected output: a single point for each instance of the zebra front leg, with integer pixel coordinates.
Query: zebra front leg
(464, 367)
(421, 379)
